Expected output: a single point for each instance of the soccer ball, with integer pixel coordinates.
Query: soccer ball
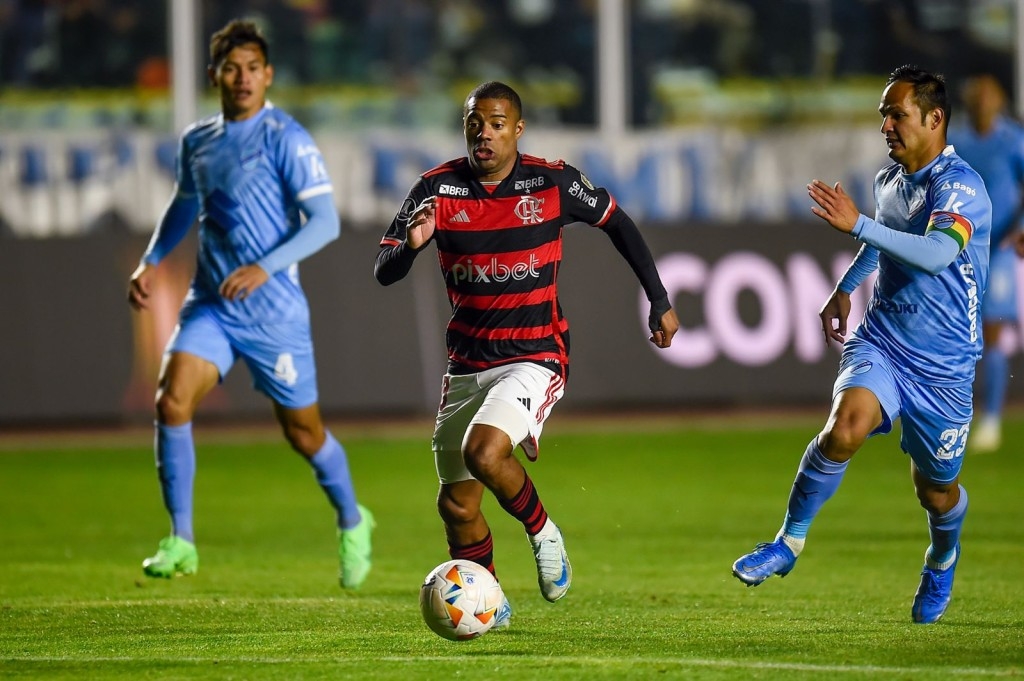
(459, 600)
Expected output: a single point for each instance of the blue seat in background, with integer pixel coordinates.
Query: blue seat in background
(33, 167)
(81, 163)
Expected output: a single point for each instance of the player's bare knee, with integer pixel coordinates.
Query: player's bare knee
(172, 409)
(936, 499)
(485, 453)
(842, 437)
(483, 460)
(304, 440)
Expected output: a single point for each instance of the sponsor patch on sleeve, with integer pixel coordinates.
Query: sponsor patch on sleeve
(408, 208)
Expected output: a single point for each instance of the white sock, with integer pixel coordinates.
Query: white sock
(795, 545)
(547, 531)
(944, 565)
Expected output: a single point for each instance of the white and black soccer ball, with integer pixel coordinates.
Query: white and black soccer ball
(460, 599)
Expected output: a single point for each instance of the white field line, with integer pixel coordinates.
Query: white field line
(517, 659)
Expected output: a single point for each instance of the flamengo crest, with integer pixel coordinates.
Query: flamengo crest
(529, 210)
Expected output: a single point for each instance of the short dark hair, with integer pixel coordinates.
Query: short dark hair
(929, 89)
(495, 90)
(236, 33)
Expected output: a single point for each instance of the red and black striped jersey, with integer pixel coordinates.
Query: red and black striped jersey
(500, 252)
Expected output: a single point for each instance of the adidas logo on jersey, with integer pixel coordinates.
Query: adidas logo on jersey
(525, 401)
(461, 216)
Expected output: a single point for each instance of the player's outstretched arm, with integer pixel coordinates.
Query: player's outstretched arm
(931, 252)
(834, 205)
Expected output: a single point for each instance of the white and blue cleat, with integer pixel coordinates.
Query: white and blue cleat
(503, 618)
(554, 573)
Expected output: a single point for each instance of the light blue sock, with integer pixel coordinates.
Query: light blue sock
(816, 481)
(945, 533)
(331, 467)
(996, 369)
(176, 466)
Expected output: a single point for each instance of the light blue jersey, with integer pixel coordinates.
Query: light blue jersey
(998, 157)
(249, 178)
(929, 322)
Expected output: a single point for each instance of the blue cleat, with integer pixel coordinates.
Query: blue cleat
(933, 595)
(503, 618)
(767, 559)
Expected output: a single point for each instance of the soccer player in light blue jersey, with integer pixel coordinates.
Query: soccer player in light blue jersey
(256, 181)
(994, 146)
(913, 355)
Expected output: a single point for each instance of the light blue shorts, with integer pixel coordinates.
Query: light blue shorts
(934, 420)
(279, 356)
(1000, 302)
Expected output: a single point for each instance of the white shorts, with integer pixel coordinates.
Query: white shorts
(515, 398)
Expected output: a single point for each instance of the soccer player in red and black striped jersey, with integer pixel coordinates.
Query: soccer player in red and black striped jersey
(496, 217)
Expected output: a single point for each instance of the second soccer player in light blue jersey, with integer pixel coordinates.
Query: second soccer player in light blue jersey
(913, 355)
(257, 183)
(993, 144)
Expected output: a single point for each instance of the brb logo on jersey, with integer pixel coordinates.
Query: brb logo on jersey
(493, 270)
(529, 210)
(527, 185)
(452, 190)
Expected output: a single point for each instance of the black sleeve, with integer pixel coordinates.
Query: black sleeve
(582, 201)
(395, 257)
(628, 241)
(393, 263)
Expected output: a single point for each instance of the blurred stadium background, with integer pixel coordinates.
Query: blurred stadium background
(706, 119)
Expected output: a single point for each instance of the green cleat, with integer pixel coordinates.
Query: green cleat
(355, 549)
(175, 556)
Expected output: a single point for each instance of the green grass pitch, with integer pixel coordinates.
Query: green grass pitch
(654, 512)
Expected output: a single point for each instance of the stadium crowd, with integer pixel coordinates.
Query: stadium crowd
(419, 45)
